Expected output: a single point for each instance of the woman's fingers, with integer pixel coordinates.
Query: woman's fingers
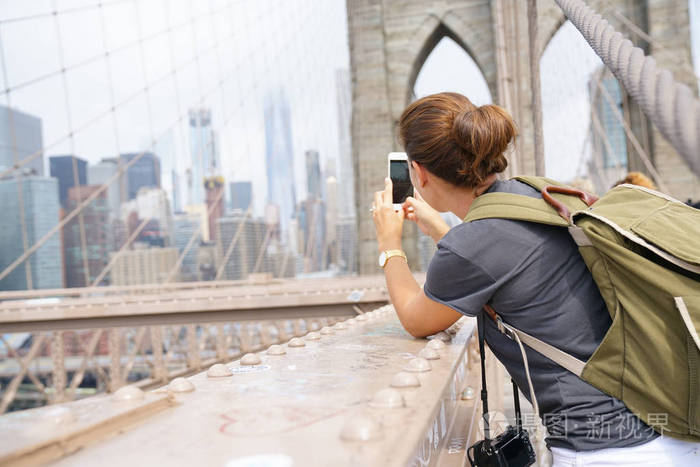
(387, 198)
(377, 200)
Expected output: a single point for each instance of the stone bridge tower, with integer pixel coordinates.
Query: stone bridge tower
(391, 39)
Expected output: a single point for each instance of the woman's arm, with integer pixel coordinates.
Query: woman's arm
(419, 315)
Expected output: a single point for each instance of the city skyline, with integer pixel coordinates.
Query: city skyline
(238, 83)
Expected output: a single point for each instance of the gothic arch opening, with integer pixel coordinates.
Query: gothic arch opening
(430, 61)
(448, 67)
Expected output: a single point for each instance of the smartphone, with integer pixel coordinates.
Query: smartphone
(397, 167)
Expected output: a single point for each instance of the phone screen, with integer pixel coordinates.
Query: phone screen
(398, 170)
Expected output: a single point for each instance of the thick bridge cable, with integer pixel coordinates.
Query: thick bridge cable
(672, 106)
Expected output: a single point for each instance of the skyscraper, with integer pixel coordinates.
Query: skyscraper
(331, 220)
(99, 174)
(70, 171)
(97, 237)
(248, 250)
(311, 215)
(184, 228)
(43, 269)
(177, 206)
(241, 195)
(313, 174)
(144, 173)
(144, 266)
(150, 203)
(214, 189)
(346, 238)
(204, 158)
(20, 138)
(279, 157)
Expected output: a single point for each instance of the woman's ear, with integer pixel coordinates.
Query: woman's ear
(421, 173)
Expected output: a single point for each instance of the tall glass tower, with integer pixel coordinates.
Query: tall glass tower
(279, 158)
(41, 214)
(20, 138)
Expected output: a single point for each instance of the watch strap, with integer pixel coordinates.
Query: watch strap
(391, 253)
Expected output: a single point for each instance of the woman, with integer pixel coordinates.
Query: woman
(531, 274)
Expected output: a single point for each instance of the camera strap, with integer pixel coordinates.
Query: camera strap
(484, 392)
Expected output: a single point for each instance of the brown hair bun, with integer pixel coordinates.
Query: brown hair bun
(454, 139)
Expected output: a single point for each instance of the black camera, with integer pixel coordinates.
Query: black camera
(510, 448)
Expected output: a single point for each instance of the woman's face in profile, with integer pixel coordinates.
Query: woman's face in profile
(425, 195)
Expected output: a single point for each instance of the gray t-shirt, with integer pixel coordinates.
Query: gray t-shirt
(535, 278)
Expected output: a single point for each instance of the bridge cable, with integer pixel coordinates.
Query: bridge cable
(650, 40)
(104, 186)
(672, 106)
(128, 99)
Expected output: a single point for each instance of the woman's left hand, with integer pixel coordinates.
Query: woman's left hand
(387, 222)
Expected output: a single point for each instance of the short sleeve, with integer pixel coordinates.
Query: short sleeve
(457, 282)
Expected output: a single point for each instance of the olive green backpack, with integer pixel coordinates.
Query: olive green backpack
(643, 250)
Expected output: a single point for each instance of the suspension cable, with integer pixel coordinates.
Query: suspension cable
(95, 194)
(672, 106)
(105, 112)
(650, 40)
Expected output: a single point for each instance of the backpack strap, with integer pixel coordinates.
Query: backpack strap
(538, 182)
(515, 207)
(526, 208)
(564, 359)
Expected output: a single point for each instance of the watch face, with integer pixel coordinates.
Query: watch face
(382, 259)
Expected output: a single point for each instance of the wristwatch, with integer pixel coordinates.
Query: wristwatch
(385, 255)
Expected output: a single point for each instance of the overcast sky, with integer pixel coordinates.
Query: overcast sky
(263, 45)
(296, 45)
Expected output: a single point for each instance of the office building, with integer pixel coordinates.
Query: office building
(331, 247)
(144, 265)
(200, 210)
(20, 138)
(214, 191)
(70, 171)
(152, 204)
(346, 240)
(101, 173)
(177, 204)
(313, 174)
(279, 158)
(144, 173)
(187, 231)
(248, 254)
(43, 269)
(241, 195)
(311, 215)
(83, 263)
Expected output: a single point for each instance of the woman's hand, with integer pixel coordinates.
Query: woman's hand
(428, 219)
(387, 222)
